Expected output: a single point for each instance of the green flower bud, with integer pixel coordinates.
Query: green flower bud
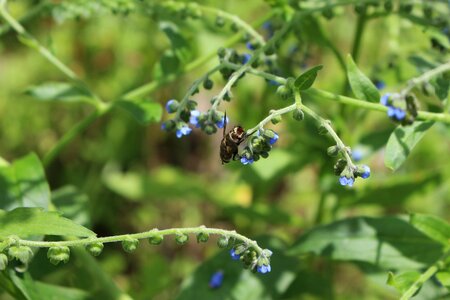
(202, 237)
(270, 50)
(220, 22)
(95, 248)
(284, 92)
(254, 64)
(223, 241)
(210, 129)
(181, 238)
(234, 27)
(255, 157)
(156, 239)
(21, 253)
(3, 261)
(221, 52)
(130, 244)
(333, 150)
(217, 116)
(268, 134)
(298, 114)
(340, 166)
(185, 115)
(58, 254)
(227, 96)
(275, 120)
(191, 105)
(264, 154)
(208, 84)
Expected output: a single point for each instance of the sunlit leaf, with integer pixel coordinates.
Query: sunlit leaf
(402, 141)
(432, 226)
(362, 87)
(26, 221)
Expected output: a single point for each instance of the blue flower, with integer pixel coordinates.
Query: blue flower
(357, 155)
(194, 118)
(273, 82)
(396, 113)
(221, 123)
(264, 269)
(249, 46)
(380, 84)
(171, 106)
(274, 139)
(346, 181)
(385, 99)
(246, 57)
(233, 254)
(164, 126)
(216, 280)
(366, 172)
(185, 130)
(246, 161)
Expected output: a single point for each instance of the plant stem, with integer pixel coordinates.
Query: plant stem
(142, 235)
(425, 77)
(31, 13)
(358, 36)
(267, 119)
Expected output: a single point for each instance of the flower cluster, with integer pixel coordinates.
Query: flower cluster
(400, 109)
(259, 146)
(347, 172)
(250, 258)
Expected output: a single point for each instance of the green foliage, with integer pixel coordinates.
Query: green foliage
(362, 87)
(307, 78)
(143, 111)
(59, 91)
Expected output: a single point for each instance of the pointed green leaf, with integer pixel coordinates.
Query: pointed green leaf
(307, 78)
(27, 221)
(23, 183)
(387, 242)
(59, 91)
(402, 141)
(143, 111)
(402, 282)
(362, 87)
(432, 226)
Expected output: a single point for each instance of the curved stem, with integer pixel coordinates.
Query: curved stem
(142, 235)
(425, 77)
(267, 119)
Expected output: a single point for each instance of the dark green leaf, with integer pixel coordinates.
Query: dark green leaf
(402, 141)
(307, 78)
(59, 91)
(26, 221)
(239, 283)
(362, 87)
(441, 87)
(23, 183)
(388, 243)
(39, 290)
(180, 45)
(432, 226)
(143, 111)
(73, 204)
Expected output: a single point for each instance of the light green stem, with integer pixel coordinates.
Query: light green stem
(142, 235)
(425, 77)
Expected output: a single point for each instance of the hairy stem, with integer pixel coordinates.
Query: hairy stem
(425, 77)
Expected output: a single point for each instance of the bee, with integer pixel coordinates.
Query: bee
(230, 142)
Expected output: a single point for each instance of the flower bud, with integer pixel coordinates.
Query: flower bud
(264, 154)
(181, 238)
(95, 248)
(210, 129)
(58, 254)
(202, 237)
(339, 166)
(298, 114)
(130, 244)
(185, 115)
(234, 27)
(221, 52)
(208, 84)
(191, 104)
(220, 21)
(156, 239)
(270, 50)
(276, 119)
(21, 253)
(223, 241)
(284, 92)
(172, 106)
(3, 261)
(333, 150)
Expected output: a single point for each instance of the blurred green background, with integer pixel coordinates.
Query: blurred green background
(121, 177)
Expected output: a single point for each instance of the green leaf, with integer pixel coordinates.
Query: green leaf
(23, 184)
(444, 278)
(402, 282)
(388, 243)
(432, 226)
(441, 87)
(362, 87)
(39, 290)
(402, 141)
(307, 78)
(73, 204)
(238, 283)
(143, 111)
(180, 44)
(26, 221)
(60, 91)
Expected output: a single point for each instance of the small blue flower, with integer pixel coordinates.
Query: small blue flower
(194, 118)
(246, 161)
(396, 113)
(246, 57)
(366, 172)
(346, 181)
(185, 130)
(357, 155)
(274, 139)
(216, 280)
(273, 82)
(385, 99)
(264, 269)
(221, 123)
(249, 46)
(170, 106)
(380, 84)
(233, 254)
(164, 126)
